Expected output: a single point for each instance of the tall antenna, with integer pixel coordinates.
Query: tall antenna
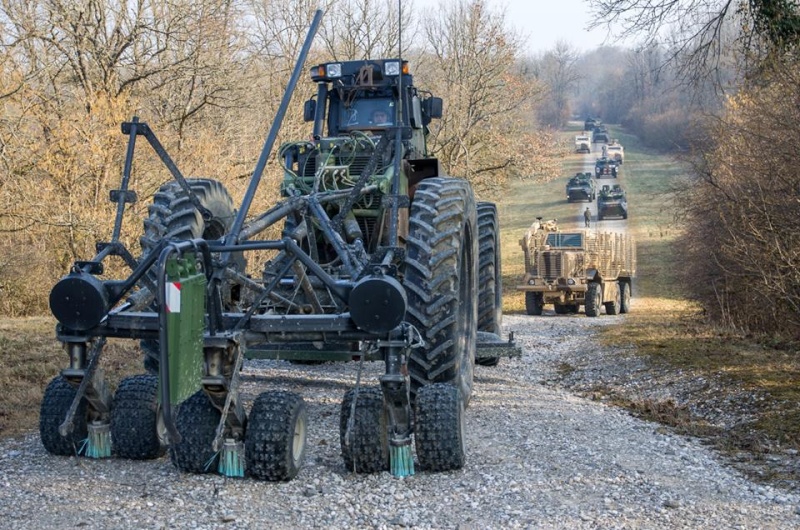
(400, 30)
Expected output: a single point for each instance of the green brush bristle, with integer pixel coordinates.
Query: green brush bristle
(401, 461)
(231, 459)
(98, 445)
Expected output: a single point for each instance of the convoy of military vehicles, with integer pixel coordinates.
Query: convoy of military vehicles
(589, 267)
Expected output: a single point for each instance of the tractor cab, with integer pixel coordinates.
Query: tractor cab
(352, 94)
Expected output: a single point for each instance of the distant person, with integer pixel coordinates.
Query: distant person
(587, 217)
(380, 117)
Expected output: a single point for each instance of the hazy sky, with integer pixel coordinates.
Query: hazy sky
(545, 22)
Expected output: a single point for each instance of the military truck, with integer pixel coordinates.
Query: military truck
(605, 168)
(372, 254)
(600, 134)
(577, 268)
(614, 151)
(612, 202)
(581, 187)
(583, 143)
(591, 123)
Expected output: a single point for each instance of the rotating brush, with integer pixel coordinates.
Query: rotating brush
(98, 444)
(231, 458)
(401, 462)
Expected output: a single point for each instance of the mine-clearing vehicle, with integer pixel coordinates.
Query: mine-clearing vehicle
(612, 202)
(575, 268)
(380, 257)
(581, 187)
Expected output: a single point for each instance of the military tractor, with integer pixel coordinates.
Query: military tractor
(581, 187)
(577, 268)
(380, 257)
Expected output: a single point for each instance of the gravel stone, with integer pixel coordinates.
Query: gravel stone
(539, 455)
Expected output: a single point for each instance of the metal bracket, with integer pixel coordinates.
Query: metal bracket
(125, 196)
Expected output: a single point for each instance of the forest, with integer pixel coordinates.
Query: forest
(714, 83)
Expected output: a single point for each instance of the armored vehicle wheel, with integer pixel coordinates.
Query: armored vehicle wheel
(572, 308)
(534, 303)
(275, 441)
(613, 307)
(440, 277)
(490, 283)
(594, 300)
(173, 216)
(439, 428)
(624, 297)
(57, 399)
(366, 449)
(625, 215)
(137, 427)
(196, 422)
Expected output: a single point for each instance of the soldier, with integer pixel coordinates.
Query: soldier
(587, 217)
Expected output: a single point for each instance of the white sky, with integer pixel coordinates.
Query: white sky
(545, 22)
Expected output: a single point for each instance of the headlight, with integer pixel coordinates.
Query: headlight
(391, 68)
(334, 70)
(531, 282)
(571, 281)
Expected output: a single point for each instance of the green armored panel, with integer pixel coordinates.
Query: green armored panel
(186, 308)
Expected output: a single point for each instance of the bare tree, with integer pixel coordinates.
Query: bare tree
(363, 29)
(558, 70)
(486, 132)
(700, 33)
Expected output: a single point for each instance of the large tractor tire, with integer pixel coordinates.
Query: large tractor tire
(275, 441)
(196, 422)
(439, 428)
(534, 303)
(173, 216)
(624, 297)
(441, 279)
(56, 402)
(594, 300)
(490, 283)
(365, 446)
(137, 427)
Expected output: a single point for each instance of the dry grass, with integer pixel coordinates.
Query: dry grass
(30, 356)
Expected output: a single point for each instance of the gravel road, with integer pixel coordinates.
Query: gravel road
(537, 457)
